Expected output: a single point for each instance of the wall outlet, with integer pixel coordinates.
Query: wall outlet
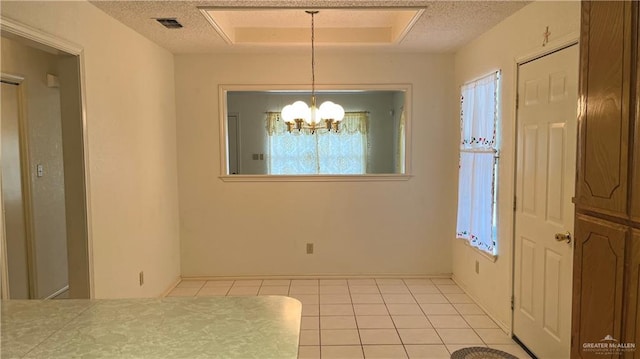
(141, 277)
(309, 248)
(477, 267)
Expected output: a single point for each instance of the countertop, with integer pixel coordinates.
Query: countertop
(212, 327)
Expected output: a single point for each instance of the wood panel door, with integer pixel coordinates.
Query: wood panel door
(598, 283)
(605, 82)
(547, 91)
(631, 319)
(635, 189)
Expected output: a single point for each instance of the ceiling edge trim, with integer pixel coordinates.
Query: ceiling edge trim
(410, 25)
(223, 35)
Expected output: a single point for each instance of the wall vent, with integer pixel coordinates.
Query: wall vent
(169, 23)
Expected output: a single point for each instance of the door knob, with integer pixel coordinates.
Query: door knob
(563, 237)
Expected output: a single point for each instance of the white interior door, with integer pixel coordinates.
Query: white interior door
(547, 129)
(12, 195)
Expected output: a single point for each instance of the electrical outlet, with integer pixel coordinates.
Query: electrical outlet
(141, 277)
(309, 248)
(477, 267)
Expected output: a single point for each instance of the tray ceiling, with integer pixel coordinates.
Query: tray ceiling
(265, 25)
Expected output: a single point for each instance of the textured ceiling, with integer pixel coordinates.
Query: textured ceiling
(443, 27)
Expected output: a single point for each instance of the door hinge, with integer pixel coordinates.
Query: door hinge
(512, 302)
(517, 100)
(515, 203)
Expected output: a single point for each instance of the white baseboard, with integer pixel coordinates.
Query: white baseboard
(58, 292)
(319, 276)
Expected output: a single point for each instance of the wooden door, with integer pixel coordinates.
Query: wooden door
(547, 91)
(635, 183)
(630, 318)
(598, 283)
(606, 51)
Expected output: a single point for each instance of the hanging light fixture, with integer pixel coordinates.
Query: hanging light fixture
(299, 116)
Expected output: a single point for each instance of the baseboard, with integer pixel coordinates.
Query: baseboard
(504, 326)
(58, 292)
(173, 286)
(319, 276)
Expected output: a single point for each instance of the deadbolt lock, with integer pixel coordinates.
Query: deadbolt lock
(561, 237)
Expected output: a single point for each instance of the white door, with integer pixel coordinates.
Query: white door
(12, 195)
(545, 180)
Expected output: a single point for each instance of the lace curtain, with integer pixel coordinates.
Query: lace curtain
(400, 147)
(323, 152)
(478, 163)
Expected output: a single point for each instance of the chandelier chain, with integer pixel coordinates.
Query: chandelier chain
(300, 116)
(313, 56)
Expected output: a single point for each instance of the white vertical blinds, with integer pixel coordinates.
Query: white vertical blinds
(478, 162)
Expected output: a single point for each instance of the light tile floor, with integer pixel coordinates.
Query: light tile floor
(374, 318)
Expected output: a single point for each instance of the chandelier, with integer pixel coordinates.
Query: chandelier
(299, 116)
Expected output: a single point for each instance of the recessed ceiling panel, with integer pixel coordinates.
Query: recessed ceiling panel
(293, 26)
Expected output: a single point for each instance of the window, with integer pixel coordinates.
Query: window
(322, 152)
(246, 140)
(478, 162)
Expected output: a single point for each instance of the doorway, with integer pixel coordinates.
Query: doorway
(44, 227)
(15, 196)
(544, 212)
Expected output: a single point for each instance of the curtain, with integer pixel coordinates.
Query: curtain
(400, 145)
(322, 152)
(478, 163)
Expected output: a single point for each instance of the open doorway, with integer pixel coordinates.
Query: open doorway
(45, 251)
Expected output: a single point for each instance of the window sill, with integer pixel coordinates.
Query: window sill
(317, 178)
(492, 257)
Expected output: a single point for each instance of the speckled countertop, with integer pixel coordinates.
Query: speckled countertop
(213, 327)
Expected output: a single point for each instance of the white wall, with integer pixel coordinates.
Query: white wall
(260, 228)
(517, 36)
(252, 106)
(130, 114)
(44, 137)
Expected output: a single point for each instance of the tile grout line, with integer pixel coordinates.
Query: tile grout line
(319, 321)
(199, 289)
(355, 318)
(394, 324)
(426, 316)
(260, 287)
(233, 282)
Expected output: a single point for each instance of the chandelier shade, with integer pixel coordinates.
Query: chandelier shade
(299, 115)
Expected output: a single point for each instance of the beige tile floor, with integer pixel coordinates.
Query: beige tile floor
(374, 318)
